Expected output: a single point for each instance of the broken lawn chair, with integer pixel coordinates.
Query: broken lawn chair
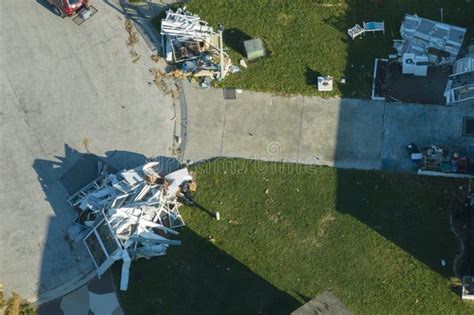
(374, 27)
(355, 31)
(129, 215)
(367, 27)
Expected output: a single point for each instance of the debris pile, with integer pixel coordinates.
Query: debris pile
(130, 215)
(434, 160)
(193, 46)
(438, 41)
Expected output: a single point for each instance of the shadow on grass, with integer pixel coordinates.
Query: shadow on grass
(199, 278)
(196, 205)
(234, 38)
(312, 76)
(422, 232)
(388, 209)
(339, 23)
(194, 278)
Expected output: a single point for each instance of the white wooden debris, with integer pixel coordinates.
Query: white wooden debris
(193, 46)
(186, 31)
(440, 42)
(460, 86)
(467, 288)
(130, 215)
(355, 31)
(183, 24)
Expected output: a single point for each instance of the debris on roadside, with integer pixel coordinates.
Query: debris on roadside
(194, 48)
(155, 58)
(161, 82)
(132, 40)
(130, 215)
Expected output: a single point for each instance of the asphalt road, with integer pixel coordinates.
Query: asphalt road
(65, 90)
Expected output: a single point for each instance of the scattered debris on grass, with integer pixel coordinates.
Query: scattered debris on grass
(424, 45)
(439, 42)
(130, 215)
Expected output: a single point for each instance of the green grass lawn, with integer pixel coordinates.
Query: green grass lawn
(289, 232)
(307, 38)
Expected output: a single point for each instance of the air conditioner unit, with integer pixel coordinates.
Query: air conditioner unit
(415, 64)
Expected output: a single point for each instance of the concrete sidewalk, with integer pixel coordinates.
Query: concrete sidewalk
(347, 133)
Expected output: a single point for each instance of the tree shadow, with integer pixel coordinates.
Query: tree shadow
(199, 278)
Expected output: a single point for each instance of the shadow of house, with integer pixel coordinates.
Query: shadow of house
(141, 14)
(61, 262)
(64, 261)
(199, 278)
(420, 231)
(46, 5)
(181, 282)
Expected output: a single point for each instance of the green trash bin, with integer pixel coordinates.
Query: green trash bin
(254, 48)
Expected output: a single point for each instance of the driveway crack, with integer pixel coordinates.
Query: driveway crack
(223, 127)
(300, 132)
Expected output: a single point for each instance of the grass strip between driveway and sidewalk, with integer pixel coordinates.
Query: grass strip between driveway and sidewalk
(289, 232)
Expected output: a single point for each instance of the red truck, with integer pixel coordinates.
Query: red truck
(65, 8)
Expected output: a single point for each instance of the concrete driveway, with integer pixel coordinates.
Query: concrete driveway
(308, 130)
(65, 89)
(346, 133)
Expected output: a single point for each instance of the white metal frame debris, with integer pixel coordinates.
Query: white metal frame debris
(130, 215)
